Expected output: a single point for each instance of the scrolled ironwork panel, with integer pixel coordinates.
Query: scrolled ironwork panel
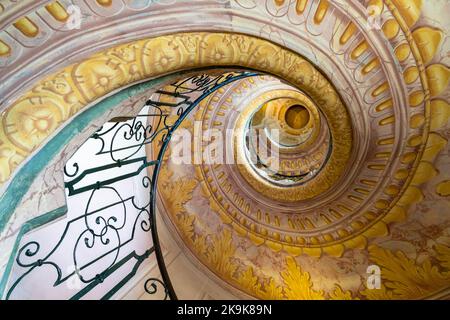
(110, 225)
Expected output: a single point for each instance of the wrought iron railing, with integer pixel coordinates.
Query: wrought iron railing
(97, 237)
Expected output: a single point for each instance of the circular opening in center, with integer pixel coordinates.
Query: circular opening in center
(297, 116)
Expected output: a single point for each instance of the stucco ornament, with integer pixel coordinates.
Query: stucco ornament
(380, 193)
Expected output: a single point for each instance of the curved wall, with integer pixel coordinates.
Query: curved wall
(393, 80)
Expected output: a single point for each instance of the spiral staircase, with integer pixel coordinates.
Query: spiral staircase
(317, 162)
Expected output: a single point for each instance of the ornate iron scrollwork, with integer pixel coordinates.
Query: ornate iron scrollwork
(96, 240)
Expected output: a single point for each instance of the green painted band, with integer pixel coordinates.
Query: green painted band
(22, 181)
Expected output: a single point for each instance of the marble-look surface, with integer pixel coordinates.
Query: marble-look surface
(427, 222)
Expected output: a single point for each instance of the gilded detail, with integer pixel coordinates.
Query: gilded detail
(73, 88)
(381, 196)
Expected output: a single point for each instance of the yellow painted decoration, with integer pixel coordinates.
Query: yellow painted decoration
(387, 120)
(409, 10)
(359, 242)
(392, 190)
(440, 114)
(411, 195)
(52, 101)
(417, 121)
(373, 64)
(435, 144)
(321, 11)
(416, 98)
(391, 28)
(401, 174)
(105, 3)
(27, 27)
(396, 214)
(57, 11)
(4, 49)
(298, 283)
(387, 141)
(72, 88)
(443, 188)
(415, 141)
(380, 89)
(406, 278)
(378, 230)
(300, 6)
(408, 157)
(402, 52)
(411, 75)
(359, 50)
(438, 77)
(428, 41)
(376, 7)
(348, 33)
(424, 173)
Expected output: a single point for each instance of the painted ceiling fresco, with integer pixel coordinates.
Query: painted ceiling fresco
(358, 88)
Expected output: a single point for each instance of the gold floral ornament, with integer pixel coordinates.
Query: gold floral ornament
(40, 111)
(401, 277)
(71, 89)
(217, 250)
(34, 121)
(404, 278)
(422, 43)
